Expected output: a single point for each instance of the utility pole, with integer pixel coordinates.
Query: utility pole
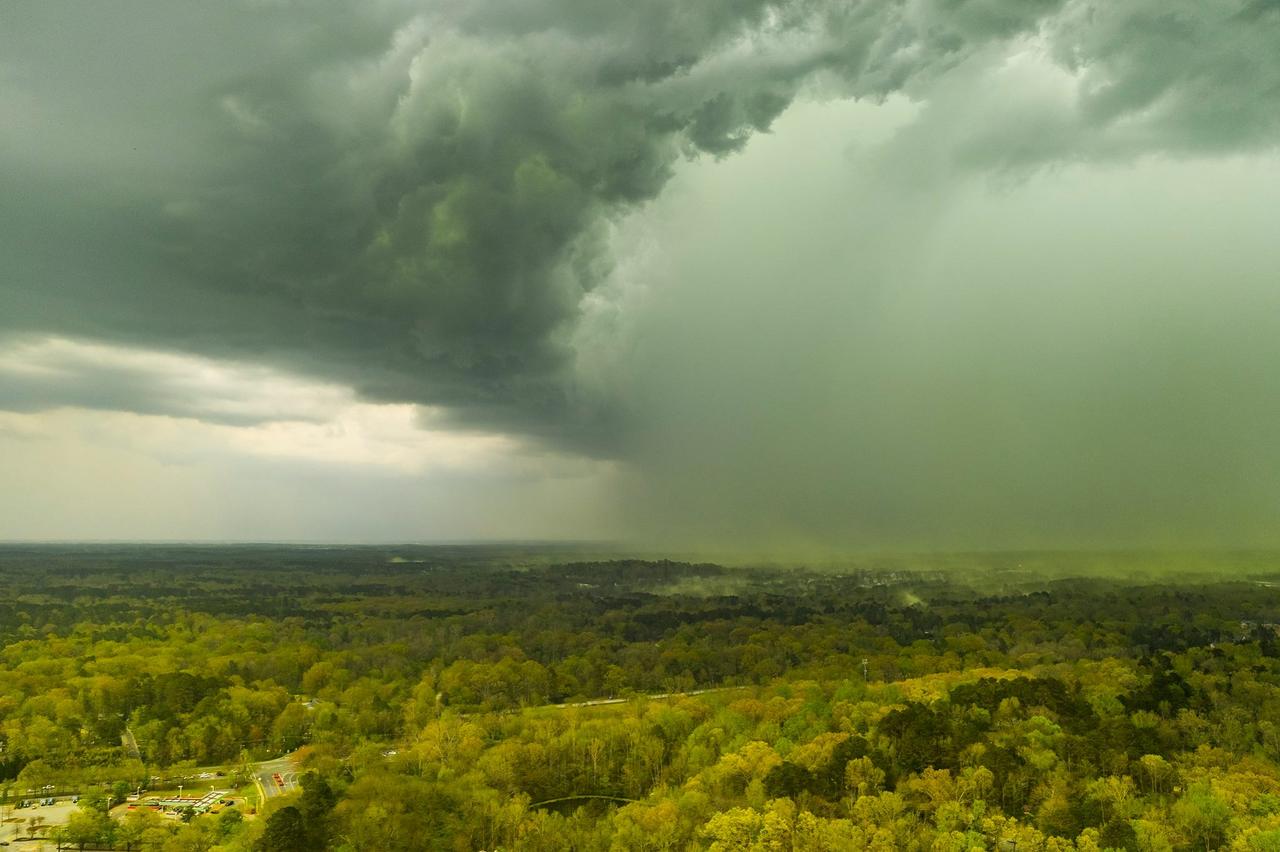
(864, 670)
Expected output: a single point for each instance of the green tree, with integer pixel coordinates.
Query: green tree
(285, 832)
(1203, 817)
(86, 826)
(316, 803)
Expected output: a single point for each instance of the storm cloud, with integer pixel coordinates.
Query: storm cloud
(422, 201)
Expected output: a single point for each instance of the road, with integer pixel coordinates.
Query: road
(600, 702)
(597, 702)
(130, 743)
(275, 777)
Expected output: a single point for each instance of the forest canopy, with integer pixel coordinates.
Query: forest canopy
(472, 698)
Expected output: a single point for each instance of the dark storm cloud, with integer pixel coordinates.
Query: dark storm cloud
(413, 198)
(1201, 75)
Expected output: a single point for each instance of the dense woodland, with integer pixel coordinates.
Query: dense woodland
(1028, 701)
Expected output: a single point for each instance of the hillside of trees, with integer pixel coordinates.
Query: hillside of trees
(452, 698)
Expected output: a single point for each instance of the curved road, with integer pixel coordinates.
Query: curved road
(275, 777)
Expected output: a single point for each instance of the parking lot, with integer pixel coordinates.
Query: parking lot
(18, 821)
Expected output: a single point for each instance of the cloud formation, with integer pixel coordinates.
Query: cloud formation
(178, 406)
(419, 200)
(36, 372)
(413, 197)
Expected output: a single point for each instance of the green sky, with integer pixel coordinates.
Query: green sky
(734, 274)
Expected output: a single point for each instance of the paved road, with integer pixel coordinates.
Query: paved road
(661, 695)
(130, 743)
(276, 777)
(599, 702)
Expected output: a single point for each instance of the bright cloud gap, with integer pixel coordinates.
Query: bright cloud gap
(169, 403)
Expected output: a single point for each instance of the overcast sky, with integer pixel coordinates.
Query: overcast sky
(734, 274)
